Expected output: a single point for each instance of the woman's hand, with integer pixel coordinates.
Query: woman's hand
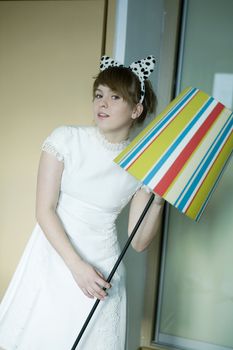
(89, 280)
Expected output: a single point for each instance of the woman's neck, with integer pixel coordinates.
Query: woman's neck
(114, 136)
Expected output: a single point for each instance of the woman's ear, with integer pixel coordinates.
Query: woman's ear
(137, 111)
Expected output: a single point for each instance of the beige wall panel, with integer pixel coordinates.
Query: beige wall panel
(49, 53)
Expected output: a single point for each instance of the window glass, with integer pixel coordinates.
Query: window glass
(196, 292)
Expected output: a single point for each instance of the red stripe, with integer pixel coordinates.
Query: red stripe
(182, 158)
(187, 102)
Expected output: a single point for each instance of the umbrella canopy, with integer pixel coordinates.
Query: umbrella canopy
(182, 153)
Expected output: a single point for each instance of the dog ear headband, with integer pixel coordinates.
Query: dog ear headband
(142, 69)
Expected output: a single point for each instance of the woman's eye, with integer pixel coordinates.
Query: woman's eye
(98, 96)
(115, 97)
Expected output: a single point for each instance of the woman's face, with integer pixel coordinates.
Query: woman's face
(112, 113)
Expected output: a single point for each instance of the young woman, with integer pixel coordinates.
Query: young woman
(80, 193)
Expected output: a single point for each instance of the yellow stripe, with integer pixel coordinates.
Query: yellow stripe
(150, 126)
(148, 159)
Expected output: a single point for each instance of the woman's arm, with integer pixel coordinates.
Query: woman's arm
(151, 222)
(48, 189)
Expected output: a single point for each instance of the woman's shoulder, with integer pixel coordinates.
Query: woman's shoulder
(65, 140)
(69, 131)
(82, 130)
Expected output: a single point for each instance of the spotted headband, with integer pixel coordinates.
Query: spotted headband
(142, 69)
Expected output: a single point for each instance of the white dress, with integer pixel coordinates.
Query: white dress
(43, 308)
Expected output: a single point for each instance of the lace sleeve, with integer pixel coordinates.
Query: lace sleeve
(57, 143)
(49, 148)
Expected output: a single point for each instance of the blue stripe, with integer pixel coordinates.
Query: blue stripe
(127, 159)
(179, 139)
(203, 159)
(213, 188)
(204, 167)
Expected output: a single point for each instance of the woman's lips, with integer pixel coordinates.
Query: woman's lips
(103, 115)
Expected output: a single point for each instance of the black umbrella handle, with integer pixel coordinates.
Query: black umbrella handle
(114, 268)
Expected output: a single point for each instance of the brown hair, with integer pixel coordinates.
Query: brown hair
(123, 81)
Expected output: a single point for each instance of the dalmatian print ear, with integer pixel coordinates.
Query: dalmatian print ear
(106, 62)
(142, 69)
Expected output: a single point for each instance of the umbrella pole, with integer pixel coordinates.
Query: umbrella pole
(114, 268)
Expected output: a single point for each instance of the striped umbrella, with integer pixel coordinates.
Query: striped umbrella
(181, 154)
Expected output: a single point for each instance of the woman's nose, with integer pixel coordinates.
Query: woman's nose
(104, 102)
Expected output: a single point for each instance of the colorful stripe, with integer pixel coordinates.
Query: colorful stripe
(179, 141)
(156, 131)
(204, 169)
(186, 153)
(182, 153)
(213, 188)
(203, 160)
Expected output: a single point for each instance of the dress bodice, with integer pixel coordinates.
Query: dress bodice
(90, 175)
